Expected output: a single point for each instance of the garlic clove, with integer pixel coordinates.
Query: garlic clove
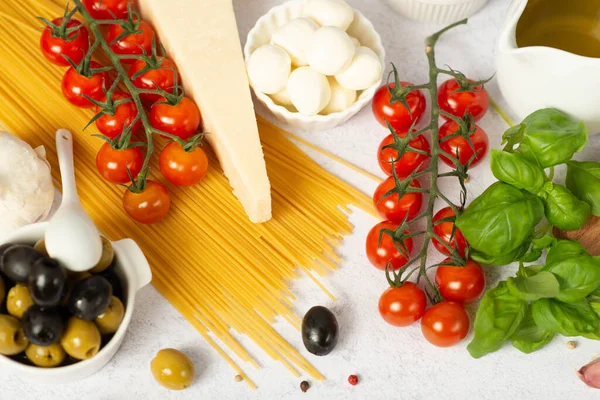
(590, 374)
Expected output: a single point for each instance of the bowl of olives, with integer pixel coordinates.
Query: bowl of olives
(56, 325)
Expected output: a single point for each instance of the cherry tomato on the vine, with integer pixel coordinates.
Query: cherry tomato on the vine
(409, 162)
(107, 9)
(459, 144)
(111, 126)
(394, 208)
(181, 167)
(444, 231)
(113, 164)
(149, 206)
(402, 306)
(181, 120)
(397, 114)
(384, 252)
(445, 324)
(162, 77)
(458, 103)
(463, 284)
(75, 86)
(134, 44)
(76, 47)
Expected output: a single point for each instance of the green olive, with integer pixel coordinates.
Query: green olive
(40, 246)
(81, 339)
(108, 255)
(110, 320)
(172, 369)
(18, 301)
(45, 356)
(12, 338)
(2, 291)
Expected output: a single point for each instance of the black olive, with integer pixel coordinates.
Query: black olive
(47, 282)
(319, 331)
(111, 276)
(17, 262)
(42, 326)
(90, 297)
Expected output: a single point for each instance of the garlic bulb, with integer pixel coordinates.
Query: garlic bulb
(26, 187)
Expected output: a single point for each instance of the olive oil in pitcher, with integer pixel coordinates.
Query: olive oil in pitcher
(569, 25)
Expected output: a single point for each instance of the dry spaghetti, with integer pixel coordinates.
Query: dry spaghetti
(219, 270)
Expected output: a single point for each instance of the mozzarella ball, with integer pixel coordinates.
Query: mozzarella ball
(309, 90)
(329, 13)
(294, 37)
(355, 41)
(341, 98)
(282, 98)
(330, 50)
(364, 71)
(269, 68)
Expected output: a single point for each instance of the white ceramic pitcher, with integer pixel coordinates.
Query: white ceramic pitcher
(536, 77)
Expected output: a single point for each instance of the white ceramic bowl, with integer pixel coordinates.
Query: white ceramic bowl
(134, 272)
(439, 11)
(261, 34)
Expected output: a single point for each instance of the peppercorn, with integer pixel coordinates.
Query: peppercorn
(238, 378)
(304, 386)
(571, 344)
(353, 380)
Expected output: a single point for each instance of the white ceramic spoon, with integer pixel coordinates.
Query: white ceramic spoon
(71, 237)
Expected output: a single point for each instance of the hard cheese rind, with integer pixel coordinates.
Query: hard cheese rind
(201, 37)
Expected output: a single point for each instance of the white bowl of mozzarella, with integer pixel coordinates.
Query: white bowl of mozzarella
(314, 63)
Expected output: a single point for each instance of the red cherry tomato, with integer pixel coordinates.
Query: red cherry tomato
(133, 44)
(397, 209)
(53, 48)
(444, 231)
(111, 126)
(181, 167)
(396, 114)
(112, 163)
(458, 144)
(402, 306)
(107, 9)
(461, 284)
(150, 206)
(457, 103)
(384, 252)
(161, 78)
(445, 324)
(409, 162)
(181, 120)
(75, 86)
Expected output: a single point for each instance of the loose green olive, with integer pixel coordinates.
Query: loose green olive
(108, 255)
(172, 369)
(18, 301)
(46, 356)
(40, 246)
(12, 338)
(110, 320)
(81, 339)
(2, 291)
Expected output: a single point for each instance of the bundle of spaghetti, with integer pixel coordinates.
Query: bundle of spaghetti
(220, 271)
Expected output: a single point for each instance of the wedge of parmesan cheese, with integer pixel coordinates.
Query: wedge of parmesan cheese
(201, 37)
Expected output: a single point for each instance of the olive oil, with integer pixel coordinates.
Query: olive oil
(569, 25)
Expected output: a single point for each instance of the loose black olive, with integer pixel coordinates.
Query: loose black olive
(17, 262)
(319, 331)
(47, 282)
(90, 298)
(42, 326)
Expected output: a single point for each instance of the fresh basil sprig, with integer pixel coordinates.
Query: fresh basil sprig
(583, 179)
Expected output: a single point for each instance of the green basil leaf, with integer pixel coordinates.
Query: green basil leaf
(517, 171)
(564, 249)
(514, 255)
(529, 337)
(538, 286)
(498, 317)
(531, 270)
(501, 219)
(583, 179)
(539, 244)
(596, 307)
(572, 319)
(563, 209)
(578, 277)
(549, 137)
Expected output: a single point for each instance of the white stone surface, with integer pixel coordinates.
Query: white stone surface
(393, 363)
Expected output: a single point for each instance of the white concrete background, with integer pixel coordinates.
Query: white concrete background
(393, 363)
